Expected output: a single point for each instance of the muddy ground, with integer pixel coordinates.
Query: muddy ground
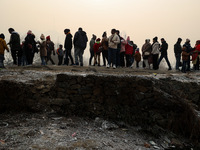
(49, 130)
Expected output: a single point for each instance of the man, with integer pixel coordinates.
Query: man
(50, 48)
(163, 50)
(80, 43)
(14, 44)
(177, 52)
(68, 47)
(92, 42)
(113, 41)
(188, 48)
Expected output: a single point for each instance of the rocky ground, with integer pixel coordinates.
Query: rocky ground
(48, 130)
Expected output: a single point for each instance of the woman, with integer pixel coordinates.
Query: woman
(43, 49)
(122, 52)
(155, 52)
(146, 51)
(195, 55)
(104, 44)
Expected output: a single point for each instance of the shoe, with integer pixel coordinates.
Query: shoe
(108, 66)
(114, 67)
(99, 65)
(170, 69)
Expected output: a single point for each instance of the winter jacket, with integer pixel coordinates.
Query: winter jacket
(14, 41)
(177, 49)
(129, 48)
(68, 42)
(137, 56)
(80, 39)
(123, 44)
(92, 41)
(196, 52)
(146, 49)
(113, 41)
(164, 48)
(30, 43)
(185, 55)
(3, 46)
(50, 48)
(104, 43)
(188, 47)
(60, 52)
(155, 48)
(96, 47)
(43, 49)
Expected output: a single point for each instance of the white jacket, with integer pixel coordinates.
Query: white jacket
(155, 48)
(113, 40)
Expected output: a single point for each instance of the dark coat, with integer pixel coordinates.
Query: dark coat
(80, 39)
(164, 48)
(14, 41)
(177, 48)
(68, 42)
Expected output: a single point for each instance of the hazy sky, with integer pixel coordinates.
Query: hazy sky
(140, 19)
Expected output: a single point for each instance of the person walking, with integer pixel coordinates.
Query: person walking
(163, 50)
(113, 41)
(14, 44)
(3, 46)
(146, 52)
(68, 47)
(104, 44)
(80, 44)
(50, 49)
(177, 52)
(92, 42)
(155, 52)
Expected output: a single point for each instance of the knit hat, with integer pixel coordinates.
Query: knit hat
(48, 37)
(29, 32)
(98, 39)
(42, 37)
(187, 40)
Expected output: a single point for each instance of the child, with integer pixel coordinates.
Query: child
(185, 59)
(60, 54)
(137, 57)
(97, 51)
(3, 46)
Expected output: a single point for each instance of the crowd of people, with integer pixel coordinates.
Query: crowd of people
(116, 51)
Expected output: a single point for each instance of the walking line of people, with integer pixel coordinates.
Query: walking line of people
(116, 51)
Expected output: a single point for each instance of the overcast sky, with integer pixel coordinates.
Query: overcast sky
(140, 19)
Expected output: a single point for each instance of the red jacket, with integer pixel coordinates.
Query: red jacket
(96, 47)
(128, 49)
(196, 52)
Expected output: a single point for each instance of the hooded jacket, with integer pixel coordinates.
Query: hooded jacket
(14, 41)
(3, 46)
(68, 41)
(113, 41)
(155, 48)
(80, 39)
(164, 48)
